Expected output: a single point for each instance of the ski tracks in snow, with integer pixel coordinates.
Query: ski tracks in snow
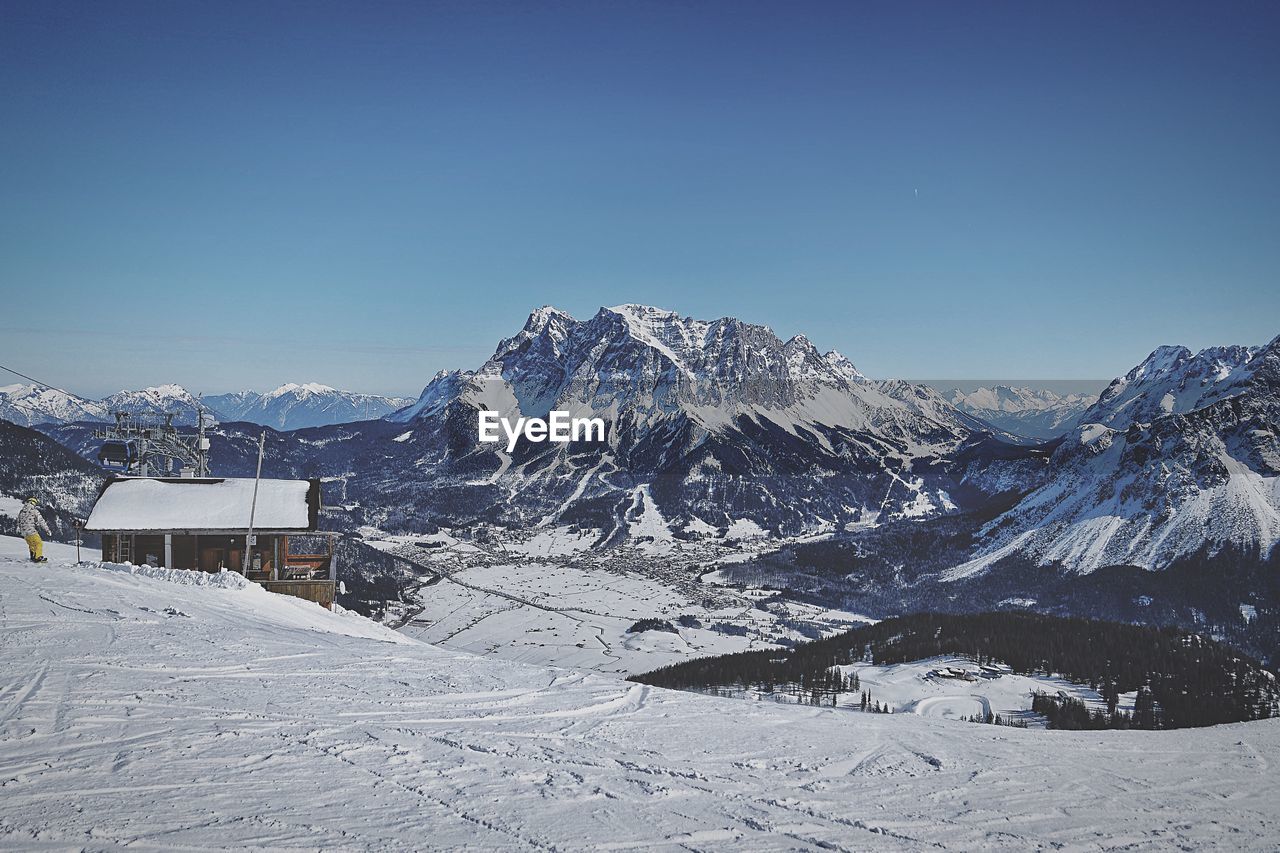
(257, 721)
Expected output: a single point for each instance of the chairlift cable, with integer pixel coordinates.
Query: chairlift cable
(37, 381)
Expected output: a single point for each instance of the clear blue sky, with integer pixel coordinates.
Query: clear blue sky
(360, 194)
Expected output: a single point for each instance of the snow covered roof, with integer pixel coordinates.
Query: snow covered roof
(204, 505)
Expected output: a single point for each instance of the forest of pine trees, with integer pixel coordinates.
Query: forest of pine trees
(1181, 679)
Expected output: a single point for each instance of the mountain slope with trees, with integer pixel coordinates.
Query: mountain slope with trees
(1182, 680)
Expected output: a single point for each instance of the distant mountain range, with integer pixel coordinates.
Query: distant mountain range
(721, 425)
(720, 430)
(1029, 412)
(295, 406)
(33, 404)
(716, 421)
(288, 407)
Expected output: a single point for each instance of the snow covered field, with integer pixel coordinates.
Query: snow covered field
(143, 712)
(563, 615)
(525, 601)
(916, 688)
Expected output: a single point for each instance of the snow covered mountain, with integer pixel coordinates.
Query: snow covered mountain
(30, 405)
(34, 404)
(288, 407)
(708, 422)
(160, 399)
(1171, 380)
(294, 406)
(1030, 412)
(1180, 456)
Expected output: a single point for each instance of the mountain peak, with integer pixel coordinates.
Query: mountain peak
(1173, 380)
(800, 342)
(547, 315)
(1161, 359)
(167, 390)
(638, 311)
(295, 388)
(843, 366)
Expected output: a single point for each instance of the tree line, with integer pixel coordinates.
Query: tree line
(1182, 679)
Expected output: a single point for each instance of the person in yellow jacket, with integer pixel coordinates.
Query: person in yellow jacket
(30, 522)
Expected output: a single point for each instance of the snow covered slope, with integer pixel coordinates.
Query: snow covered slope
(31, 404)
(922, 687)
(294, 406)
(159, 399)
(1200, 477)
(34, 404)
(1173, 380)
(1030, 412)
(140, 710)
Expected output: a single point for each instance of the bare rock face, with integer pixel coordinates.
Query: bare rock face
(725, 419)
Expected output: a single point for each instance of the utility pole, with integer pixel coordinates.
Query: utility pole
(202, 443)
(253, 506)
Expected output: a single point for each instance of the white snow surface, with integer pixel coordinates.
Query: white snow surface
(547, 599)
(10, 506)
(146, 504)
(137, 712)
(34, 404)
(918, 687)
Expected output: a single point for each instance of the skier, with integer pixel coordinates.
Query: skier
(29, 519)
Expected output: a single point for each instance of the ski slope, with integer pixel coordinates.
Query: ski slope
(157, 713)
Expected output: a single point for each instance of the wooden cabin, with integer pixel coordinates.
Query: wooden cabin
(201, 524)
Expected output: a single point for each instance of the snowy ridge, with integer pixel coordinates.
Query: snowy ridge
(33, 404)
(159, 399)
(1199, 480)
(708, 402)
(145, 713)
(294, 406)
(1172, 380)
(290, 406)
(709, 370)
(1031, 412)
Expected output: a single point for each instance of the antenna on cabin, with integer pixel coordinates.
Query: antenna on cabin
(202, 442)
(253, 505)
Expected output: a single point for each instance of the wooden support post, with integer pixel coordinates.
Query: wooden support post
(168, 550)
